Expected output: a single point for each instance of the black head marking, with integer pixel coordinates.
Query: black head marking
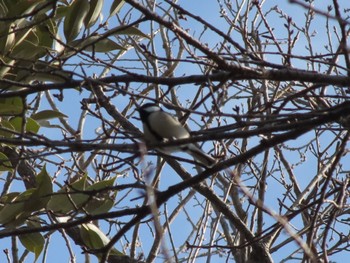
(146, 109)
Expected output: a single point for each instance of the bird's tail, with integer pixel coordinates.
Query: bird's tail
(200, 156)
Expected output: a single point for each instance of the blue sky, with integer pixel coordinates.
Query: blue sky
(71, 106)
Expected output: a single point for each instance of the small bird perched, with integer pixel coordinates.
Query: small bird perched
(159, 126)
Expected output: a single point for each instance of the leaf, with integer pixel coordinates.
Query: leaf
(18, 8)
(103, 202)
(94, 238)
(115, 7)
(45, 31)
(47, 115)
(4, 70)
(62, 11)
(34, 45)
(23, 34)
(48, 77)
(4, 126)
(42, 194)
(45, 73)
(94, 13)
(18, 207)
(96, 44)
(5, 164)
(62, 201)
(11, 106)
(98, 203)
(30, 125)
(42, 118)
(73, 22)
(133, 31)
(34, 242)
(31, 200)
(7, 40)
(102, 184)
(27, 50)
(13, 214)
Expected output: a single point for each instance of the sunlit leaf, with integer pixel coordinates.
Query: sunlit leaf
(34, 242)
(100, 205)
(94, 238)
(11, 106)
(96, 44)
(5, 70)
(102, 202)
(94, 13)
(67, 199)
(132, 31)
(45, 31)
(30, 124)
(74, 20)
(102, 184)
(23, 34)
(5, 164)
(47, 115)
(42, 195)
(18, 8)
(7, 39)
(17, 208)
(13, 212)
(6, 128)
(115, 7)
(34, 45)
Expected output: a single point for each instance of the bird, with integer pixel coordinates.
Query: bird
(160, 126)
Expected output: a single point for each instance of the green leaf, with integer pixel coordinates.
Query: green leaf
(97, 203)
(45, 31)
(45, 73)
(102, 202)
(62, 11)
(30, 125)
(115, 7)
(47, 115)
(73, 22)
(7, 40)
(11, 106)
(96, 44)
(18, 207)
(4, 126)
(42, 118)
(27, 50)
(94, 238)
(4, 70)
(20, 7)
(42, 195)
(23, 34)
(133, 31)
(102, 184)
(5, 164)
(94, 13)
(100, 205)
(13, 213)
(67, 199)
(34, 242)
(35, 44)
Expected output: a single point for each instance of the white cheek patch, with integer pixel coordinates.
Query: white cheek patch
(152, 109)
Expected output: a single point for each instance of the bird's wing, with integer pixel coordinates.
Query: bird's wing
(169, 128)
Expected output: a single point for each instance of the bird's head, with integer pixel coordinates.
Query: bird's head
(148, 108)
